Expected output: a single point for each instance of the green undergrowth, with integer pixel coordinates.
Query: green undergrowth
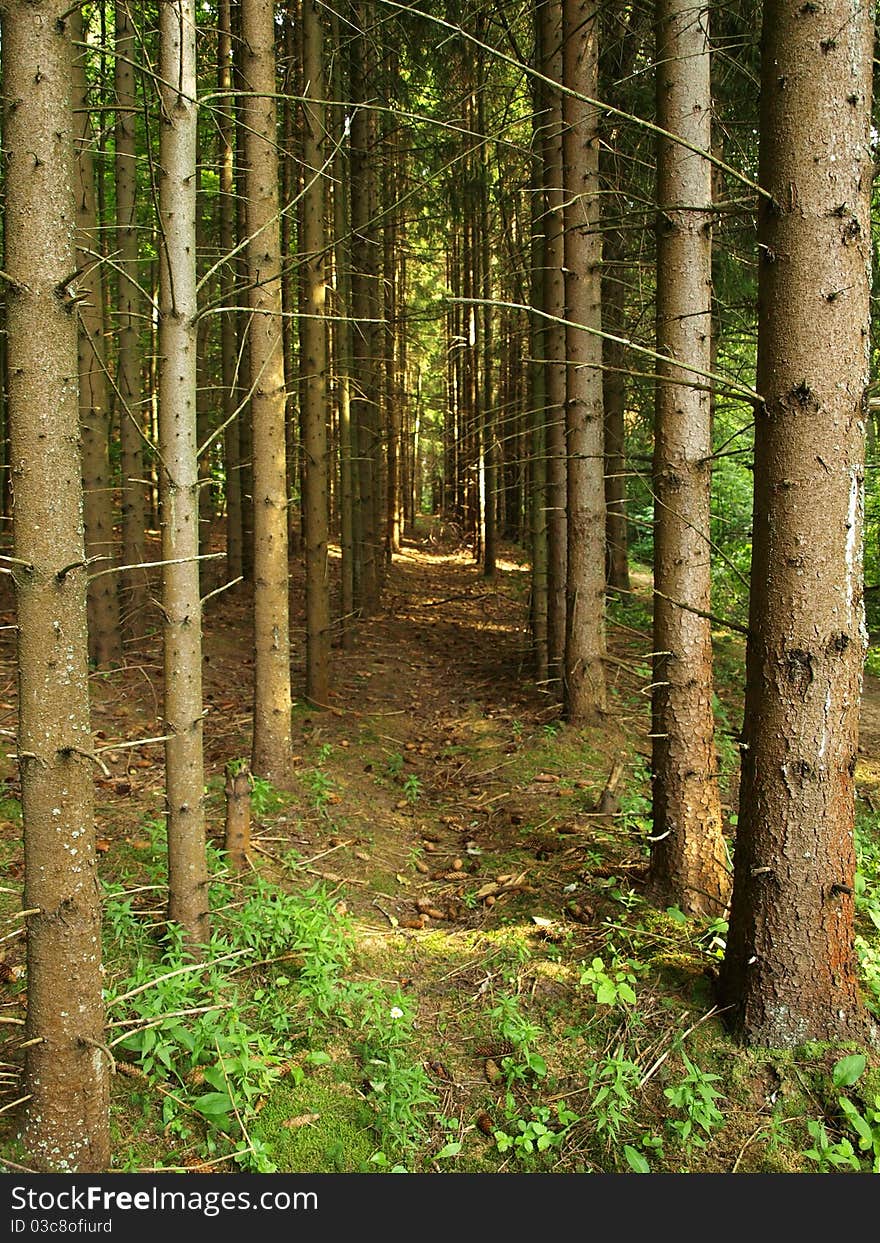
(255, 1026)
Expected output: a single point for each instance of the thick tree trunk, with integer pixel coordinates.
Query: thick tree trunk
(66, 1119)
(272, 703)
(105, 640)
(790, 970)
(688, 863)
(585, 577)
(313, 361)
(179, 488)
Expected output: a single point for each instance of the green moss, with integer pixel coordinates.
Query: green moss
(340, 1139)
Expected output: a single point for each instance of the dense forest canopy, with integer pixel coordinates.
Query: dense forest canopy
(441, 550)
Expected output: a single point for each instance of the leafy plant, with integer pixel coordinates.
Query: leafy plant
(612, 985)
(412, 788)
(614, 1082)
(696, 1096)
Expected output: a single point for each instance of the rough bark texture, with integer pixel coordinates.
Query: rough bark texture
(550, 18)
(537, 418)
(688, 861)
(365, 308)
(134, 586)
(228, 333)
(585, 575)
(790, 972)
(271, 746)
(614, 403)
(237, 837)
(105, 640)
(313, 362)
(181, 604)
(343, 351)
(66, 1122)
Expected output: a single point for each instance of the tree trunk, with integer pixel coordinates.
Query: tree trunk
(105, 640)
(313, 361)
(135, 584)
(365, 307)
(179, 487)
(271, 746)
(229, 345)
(550, 13)
(688, 864)
(344, 349)
(585, 576)
(66, 1072)
(538, 418)
(790, 970)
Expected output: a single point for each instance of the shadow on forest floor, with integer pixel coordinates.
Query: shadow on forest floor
(469, 978)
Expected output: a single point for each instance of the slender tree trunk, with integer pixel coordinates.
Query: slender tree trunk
(272, 702)
(105, 641)
(614, 402)
(790, 970)
(344, 350)
(66, 1072)
(129, 388)
(538, 420)
(550, 16)
(488, 429)
(178, 476)
(313, 364)
(688, 865)
(229, 346)
(245, 322)
(585, 579)
(365, 304)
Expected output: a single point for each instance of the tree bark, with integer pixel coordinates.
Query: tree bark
(313, 361)
(790, 970)
(550, 16)
(229, 344)
(105, 640)
(272, 702)
(688, 862)
(365, 311)
(344, 350)
(178, 474)
(585, 558)
(66, 1071)
(134, 586)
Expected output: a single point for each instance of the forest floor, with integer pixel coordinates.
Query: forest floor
(441, 958)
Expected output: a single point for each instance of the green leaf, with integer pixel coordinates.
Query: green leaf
(449, 1150)
(858, 1123)
(537, 1065)
(606, 993)
(636, 1160)
(848, 1070)
(679, 917)
(626, 993)
(319, 1059)
(212, 1104)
